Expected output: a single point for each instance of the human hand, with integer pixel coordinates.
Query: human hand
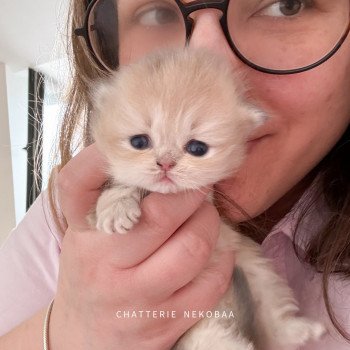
(162, 264)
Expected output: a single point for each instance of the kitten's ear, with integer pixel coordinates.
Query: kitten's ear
(253, 118)
(100, 91)
(97, 94)
(99, 97)
(257, 116)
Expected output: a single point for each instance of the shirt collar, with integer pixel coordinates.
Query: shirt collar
(310, 224)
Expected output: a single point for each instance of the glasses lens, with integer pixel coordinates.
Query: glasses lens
(122, 31)
(285, 35)
(278, 35)
(103, 32)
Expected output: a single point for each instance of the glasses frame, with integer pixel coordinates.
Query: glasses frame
(222, 5)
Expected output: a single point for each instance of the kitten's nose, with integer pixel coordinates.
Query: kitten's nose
(166, 165)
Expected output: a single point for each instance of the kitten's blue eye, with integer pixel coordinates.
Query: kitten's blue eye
(140, 142)
(197, 148)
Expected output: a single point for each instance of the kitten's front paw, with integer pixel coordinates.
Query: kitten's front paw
(298, 331)
(116, 214)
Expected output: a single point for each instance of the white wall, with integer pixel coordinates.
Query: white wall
(7, 213)
(32, 35)
(17, 96)
(31, 31)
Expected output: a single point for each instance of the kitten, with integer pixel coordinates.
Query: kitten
(175, 121)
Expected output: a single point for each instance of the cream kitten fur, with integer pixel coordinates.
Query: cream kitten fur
(173, 98)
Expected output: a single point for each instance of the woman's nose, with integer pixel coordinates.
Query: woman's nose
(207, 33)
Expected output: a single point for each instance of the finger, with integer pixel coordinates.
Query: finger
(79, 185)
(182, 257)
(205, 291)
(161, 216)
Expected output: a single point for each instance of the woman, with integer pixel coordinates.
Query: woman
(295, 180)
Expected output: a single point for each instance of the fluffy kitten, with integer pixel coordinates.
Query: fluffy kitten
(176, 121)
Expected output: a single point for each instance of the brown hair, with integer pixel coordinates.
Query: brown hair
(328, 252)
(84, 72)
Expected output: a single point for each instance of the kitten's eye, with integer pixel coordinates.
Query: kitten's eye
(197, 148)
(140, 142)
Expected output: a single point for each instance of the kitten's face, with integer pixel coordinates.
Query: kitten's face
(172, 122)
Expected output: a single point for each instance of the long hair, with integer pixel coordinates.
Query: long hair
(328, 251)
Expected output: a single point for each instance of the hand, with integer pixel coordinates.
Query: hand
(162, 264)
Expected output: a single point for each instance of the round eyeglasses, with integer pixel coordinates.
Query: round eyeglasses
(276, 37)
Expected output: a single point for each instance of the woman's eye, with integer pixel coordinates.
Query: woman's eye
(140, 142)
(197, 148)
(284, 8)
(157, 16)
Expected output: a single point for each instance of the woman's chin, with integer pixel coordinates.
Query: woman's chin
(232, 201)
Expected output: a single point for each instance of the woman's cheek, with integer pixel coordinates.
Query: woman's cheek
(309, 112)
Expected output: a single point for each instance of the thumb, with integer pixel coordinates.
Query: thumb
(79, 185)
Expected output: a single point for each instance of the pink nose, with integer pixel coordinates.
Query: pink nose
(166, 165)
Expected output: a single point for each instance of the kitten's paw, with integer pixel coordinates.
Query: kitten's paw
(298, 331)
(119, 217)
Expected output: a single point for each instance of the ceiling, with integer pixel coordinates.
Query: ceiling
(32, 31)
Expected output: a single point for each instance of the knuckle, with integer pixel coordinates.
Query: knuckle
(208, 222)
(222, 272)
(155, 219)
(64, 182)
(221, 282)
(211, 214)
(197, 246)
(217, 281)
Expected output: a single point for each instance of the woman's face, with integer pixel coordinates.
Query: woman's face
(308, 114)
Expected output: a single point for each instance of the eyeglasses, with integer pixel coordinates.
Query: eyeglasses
(276, 37)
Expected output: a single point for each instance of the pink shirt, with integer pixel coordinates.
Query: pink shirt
(29, 261)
